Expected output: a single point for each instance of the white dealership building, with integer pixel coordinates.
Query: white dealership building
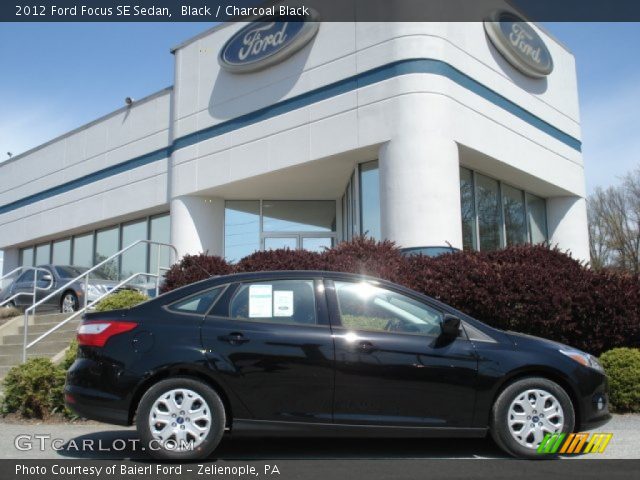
(304, 134)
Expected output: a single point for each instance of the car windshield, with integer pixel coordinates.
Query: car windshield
(69, 272)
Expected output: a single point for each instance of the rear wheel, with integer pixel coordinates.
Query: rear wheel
(526, 411)
(180, 419)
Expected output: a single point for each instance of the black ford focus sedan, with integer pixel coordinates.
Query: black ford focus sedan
(311, 353)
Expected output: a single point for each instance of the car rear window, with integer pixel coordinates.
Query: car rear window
(197, 304)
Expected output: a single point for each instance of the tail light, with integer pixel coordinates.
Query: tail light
(96, 333)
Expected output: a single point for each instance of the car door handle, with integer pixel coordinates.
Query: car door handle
(234, 338)
(365, 347)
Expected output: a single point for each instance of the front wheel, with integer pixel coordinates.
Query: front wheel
(180, 419)
(526, 411)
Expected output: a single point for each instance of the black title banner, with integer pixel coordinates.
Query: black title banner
(328, 10)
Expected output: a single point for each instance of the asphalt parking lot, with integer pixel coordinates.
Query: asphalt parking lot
(68, 441)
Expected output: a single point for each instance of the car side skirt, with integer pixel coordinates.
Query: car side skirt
(262, 428)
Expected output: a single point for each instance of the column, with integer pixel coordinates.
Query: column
(197, 225)
(567, 225)
(420, 191)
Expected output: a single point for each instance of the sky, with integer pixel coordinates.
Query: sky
(58, 76)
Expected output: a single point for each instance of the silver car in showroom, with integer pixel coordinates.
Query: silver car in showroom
(51, 278)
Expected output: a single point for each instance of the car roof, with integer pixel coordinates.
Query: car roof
(293, 274)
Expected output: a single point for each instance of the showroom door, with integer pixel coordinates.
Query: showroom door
(390, 366)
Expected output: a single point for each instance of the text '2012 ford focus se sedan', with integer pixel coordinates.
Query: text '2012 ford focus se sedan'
(323, 353)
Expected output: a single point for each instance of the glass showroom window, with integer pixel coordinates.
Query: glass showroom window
(83, 250)
(88, 249)
(489, 215)
(26, 257)
(252, 225)
(468, 204)
(370, 200)
(514, 215)
(43, 254)
(159, 231)
(361, 203)
(107, 244)
(349, 222)
(241, 228)
(134, 260)
(495, 214)
(61, 252)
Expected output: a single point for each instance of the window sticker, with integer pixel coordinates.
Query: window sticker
(283, 303)
(260, 301)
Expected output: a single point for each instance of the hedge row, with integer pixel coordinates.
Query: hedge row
(531, 289)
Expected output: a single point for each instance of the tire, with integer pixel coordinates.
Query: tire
(522, 400)
(157, 430)
(69, 303)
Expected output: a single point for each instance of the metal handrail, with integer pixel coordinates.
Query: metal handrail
(35, 283)
(75, 314)
(15, 270)
(86, 284)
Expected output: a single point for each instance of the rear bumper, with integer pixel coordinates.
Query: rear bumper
(93, 391)
(95, 405)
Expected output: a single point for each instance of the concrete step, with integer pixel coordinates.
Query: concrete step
(44, 348)
(43, 327)
(64, 333)
(50, 318)
(16, 358)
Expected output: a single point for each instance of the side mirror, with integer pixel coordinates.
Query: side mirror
(46, 277)
(450, 326)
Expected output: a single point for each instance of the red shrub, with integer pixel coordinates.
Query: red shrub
(366, 256)
(535, 290)
(529, 289)
(193, 268)
(281, 259)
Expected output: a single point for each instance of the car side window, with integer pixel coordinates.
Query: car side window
(364, 306)
(197, 304)
(279, 301)
(41, 274)
(26, 276)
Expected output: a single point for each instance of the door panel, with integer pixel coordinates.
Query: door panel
(274, 347)
(24, 284)
(392, 368)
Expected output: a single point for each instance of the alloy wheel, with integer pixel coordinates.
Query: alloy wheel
(180, 419)
(533, 414)
(69, 303)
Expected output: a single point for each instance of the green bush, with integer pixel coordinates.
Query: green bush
(121, 299)
(623, 368)
(34, 389)
(69, 356)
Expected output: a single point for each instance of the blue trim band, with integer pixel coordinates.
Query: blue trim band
(370, 77)
(87, 179)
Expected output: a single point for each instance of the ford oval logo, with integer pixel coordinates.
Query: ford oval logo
(263, 43)
(519, 43)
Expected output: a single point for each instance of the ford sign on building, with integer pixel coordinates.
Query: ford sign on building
(264, 43)
(301, 134)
